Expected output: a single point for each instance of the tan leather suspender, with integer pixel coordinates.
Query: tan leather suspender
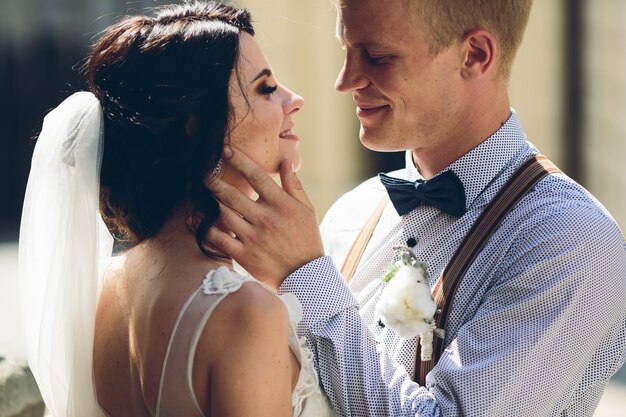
(358, 247)
(520, 183)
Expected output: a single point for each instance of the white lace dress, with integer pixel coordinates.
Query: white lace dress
(176, 397)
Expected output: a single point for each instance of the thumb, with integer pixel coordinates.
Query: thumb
(291, 183)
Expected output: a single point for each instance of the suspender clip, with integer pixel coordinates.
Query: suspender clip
(440, 333)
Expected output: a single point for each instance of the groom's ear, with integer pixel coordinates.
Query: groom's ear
(479, 54)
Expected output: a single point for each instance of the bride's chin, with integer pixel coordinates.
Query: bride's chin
(296, 162)
(294, 158)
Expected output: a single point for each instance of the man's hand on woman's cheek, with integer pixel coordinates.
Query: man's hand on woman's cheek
(272, 236)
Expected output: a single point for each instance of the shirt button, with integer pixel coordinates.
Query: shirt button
(411, 242)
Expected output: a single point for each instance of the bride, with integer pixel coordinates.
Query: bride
(168, 329)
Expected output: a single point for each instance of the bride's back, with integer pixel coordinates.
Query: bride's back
(136, 314)
(137, 311)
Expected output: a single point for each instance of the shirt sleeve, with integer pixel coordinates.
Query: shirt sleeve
(355, 372)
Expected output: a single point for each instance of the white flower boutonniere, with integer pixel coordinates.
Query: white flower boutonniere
(406, 304)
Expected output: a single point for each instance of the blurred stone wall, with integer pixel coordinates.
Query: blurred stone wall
(19, 395)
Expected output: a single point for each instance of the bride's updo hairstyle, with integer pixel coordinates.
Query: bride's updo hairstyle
(163, 83)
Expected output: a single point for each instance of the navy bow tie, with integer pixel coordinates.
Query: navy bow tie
(444, 192)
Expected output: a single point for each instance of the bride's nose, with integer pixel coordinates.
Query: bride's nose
(292, 103)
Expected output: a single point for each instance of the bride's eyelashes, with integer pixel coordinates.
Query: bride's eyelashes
(267, 89)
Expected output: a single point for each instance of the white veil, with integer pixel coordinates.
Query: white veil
(62, 241)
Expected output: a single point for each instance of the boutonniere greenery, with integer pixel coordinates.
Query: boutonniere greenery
(406, 304)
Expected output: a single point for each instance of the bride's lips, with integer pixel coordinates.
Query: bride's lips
(364, 111)
(288, 135)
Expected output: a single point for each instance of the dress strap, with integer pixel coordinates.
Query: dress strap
(176, 396)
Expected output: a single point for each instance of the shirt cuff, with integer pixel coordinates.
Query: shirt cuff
(321, 289)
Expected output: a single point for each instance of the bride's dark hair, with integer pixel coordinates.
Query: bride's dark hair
(163, 84)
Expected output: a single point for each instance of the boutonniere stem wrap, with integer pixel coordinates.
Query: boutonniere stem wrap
(406, 304)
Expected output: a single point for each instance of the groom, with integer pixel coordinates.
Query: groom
(538, 323)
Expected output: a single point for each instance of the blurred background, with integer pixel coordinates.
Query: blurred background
(568, 86)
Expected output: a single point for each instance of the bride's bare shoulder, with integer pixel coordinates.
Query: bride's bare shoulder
(250, 315)
(251, 306)
(114, 272)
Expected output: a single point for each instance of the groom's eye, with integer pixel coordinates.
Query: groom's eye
(377, 59)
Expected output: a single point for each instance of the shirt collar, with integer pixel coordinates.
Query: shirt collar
(478, 168)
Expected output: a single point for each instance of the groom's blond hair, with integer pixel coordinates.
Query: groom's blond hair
(446, 21)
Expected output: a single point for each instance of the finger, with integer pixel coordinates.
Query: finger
(291, 183)
(230, 196)
(232, 221)
(214, 250)
(258, 179)
(218, 223)
(224, 242)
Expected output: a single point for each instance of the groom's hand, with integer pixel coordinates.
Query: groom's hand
(274, 235)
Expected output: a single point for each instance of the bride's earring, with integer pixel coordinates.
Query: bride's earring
(218, 168)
